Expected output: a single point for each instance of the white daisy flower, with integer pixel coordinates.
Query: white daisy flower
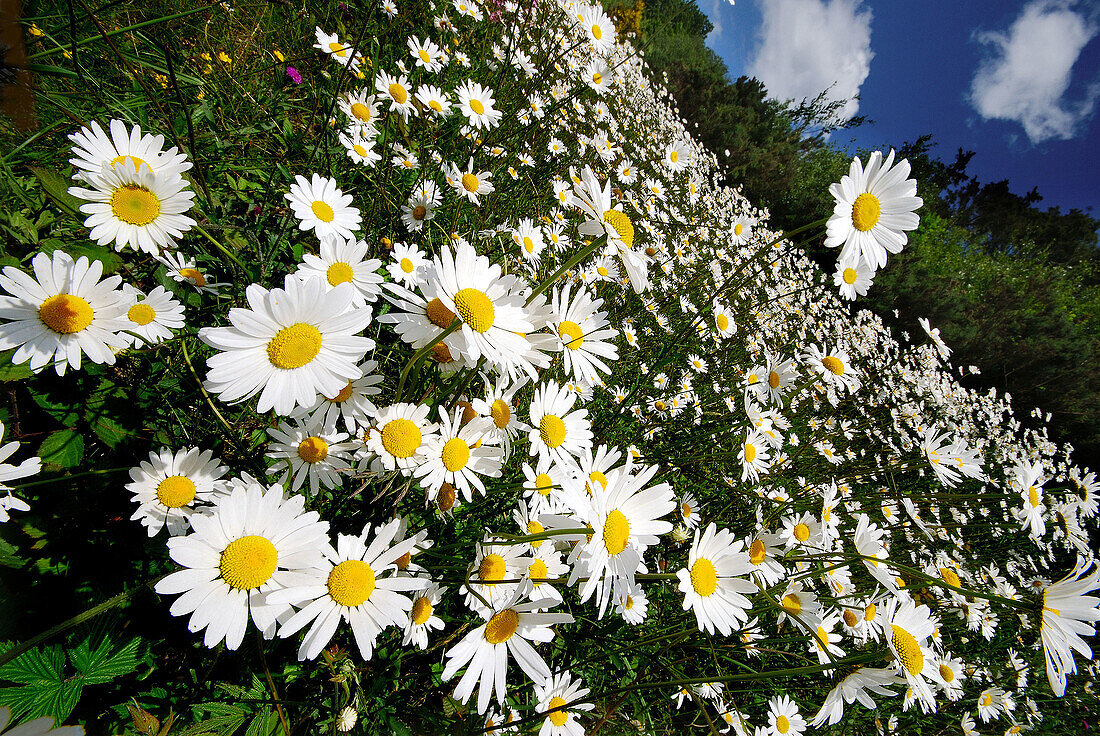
(477, 104)
(360, 148)
(342, 53)
(509, 628)
(93, 149)
(399, 436)
(856, 686)
(784, 718)
(457, 455)
(434, 99)
(255, 541)
(418, 210)
(584, 335)
(497, 574)
(61, 314)
(361, 110)
(305, 448)
(152, 318)
(186, 271)
(426, 54)
(548, 484)
(353, 403)
(874, 208)
(351, 585)
(169, 487)
(558, 432)
(598, 28)
(291, 344)
(344, 261)
(469, 184)
(408, 264)
(853, 278)
(320, 206)
(1068, 613)
(30, 466)
(553, 696)
(398, 92)
(136, 207)
(422, 616)
(594, 200)
(632, 604)
(907, 626)
(712, 584)
(834, 367)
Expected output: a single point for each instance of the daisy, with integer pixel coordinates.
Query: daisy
(677, 156)
(399, 434)
(834, 367)
(754, 456)
(499, 405)
(255, 542)
(398, 92)
(874, 208)
(710, 583)
(497, 574)
(186, 271)
(291, 344)
(598, 28)
(407, 265)
(907, 626)
(361, 110)
(584, 335)
(627, 520)
(1068, 613)
(856, 686)
(631, 603)
(422, 616)
(61, 314)
(352, 403)
(458, 456)
(548, 484)
(784, 718)
(351, 585)
(1028, 478)
(594, 200)
(598, 75)
(509, 627)
(136, 207)
(342, 53)
(553, 696)
(321, 207)
(557, 432)
(723, 320)
(360, 148)
(491, 307)
(470, 184)
(93, 149)
(824, 642)
(169, 487)
(544, 565)
(344, 261)
(853, 278)
(435, 100)
(419, 209)
(528, 237)
(305, 448)
(426, 54)
(30, 466)
(477, 104)
(741, 229)
(152, 319)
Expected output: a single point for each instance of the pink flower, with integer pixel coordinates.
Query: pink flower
(294, 75)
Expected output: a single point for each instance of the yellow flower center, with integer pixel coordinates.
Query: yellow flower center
(704, 578)
(446, 498)
(850, 276)
(597, 78)
(792, 604)
(629, 603)
(337, 49)
(909, 653)
(870, 612)
(294, 346)
(344, 395)
(596, 477)
(403, 561)
(398, 93)
(543, 484)
(738, 229)
(421, 610)
(407, 267)
(1033, 497)
(801, 532)
(537, 570)
(456, 453)
(865, 212)
(141, 314)
(750, 452)
(597, 32)
(248, 562)
(773, 379)
(477, 107)
(501, 413)
(66, 314)
(434, 104)
(313, 449)
(176, 491)
(782, 724)
(438, 314)
(134, 205)
(685, 510)
(501, 626)
(833, 364)
(950, 577)
(138, 163)
(475, 308)
(723, 322)
(986, 700)
(850, 619)
(401, 438)
(470, 182)
(492, 568)
(558, 717)
(571, 335)
(360, 111)
(194, 275)
(552, 431)
(424, 57)
(528, 244)
(623, 226)
(339, 273)
(946, 673)
(616, 532)
(602, 270)
(351, 583)
(757, 551)
(322, 211)
(533, 527)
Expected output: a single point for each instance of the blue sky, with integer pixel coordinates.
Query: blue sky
(1017, 81)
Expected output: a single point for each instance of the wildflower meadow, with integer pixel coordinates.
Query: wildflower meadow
(402, 367)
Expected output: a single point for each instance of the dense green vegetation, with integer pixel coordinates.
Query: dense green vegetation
(1013, 287)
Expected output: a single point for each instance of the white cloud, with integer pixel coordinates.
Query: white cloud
(808, 46)
(714, 15)
(1027, 74)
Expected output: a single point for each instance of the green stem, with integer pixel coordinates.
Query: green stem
(89, 39)
(580, 256)
(58, 479)
(221, 247)
(419, 356)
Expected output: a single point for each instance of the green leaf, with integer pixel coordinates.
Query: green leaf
(57, 187)
(35, 666)
(98, 665)
(64, 447)
(63, 411)
(10, 371)
(224, 722)
(44, 690)
(8, 556)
